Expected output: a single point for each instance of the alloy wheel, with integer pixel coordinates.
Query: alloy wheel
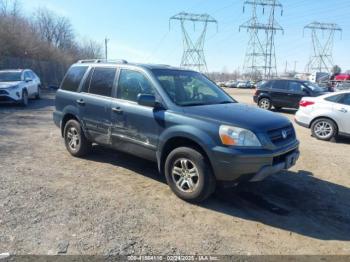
(185, 175)
(264, 104)
(323, 129)
(73, 138)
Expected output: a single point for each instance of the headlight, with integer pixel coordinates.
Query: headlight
(235, 136)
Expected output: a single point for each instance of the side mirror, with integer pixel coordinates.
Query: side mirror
(147, 100)
(28, 79)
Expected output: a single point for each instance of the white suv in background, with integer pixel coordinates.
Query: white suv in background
(327, 115)
(19, 85)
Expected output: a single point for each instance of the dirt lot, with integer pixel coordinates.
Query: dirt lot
(111, 203)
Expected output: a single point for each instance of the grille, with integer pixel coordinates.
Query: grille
(276, 135)
(3, 92)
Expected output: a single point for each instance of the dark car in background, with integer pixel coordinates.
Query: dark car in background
(193, 130)
(288, 93)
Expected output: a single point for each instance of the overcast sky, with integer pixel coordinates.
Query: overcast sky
(139, 30)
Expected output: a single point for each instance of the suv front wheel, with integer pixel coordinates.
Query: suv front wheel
(75, 140)
(188, 174)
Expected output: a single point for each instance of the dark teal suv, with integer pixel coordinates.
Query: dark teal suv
(196, 133)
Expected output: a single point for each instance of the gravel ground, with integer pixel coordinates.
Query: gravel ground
(111, 203)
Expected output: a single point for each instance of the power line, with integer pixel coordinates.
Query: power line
(322, 57)
(193, 55)
(260, 58)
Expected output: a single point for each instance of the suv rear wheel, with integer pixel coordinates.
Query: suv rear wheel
(324, 129)
(265, 103)
(75, 140)
(188, 174)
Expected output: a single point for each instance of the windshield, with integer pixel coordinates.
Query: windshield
(188, 88)
(10, 76)
(313, 86)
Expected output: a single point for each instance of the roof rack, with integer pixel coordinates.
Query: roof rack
(98, 61)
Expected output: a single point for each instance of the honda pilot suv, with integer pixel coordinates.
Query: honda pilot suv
(196, 133)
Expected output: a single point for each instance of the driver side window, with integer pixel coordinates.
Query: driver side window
(133, 83)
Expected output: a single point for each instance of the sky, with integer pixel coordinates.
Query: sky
(139, 31)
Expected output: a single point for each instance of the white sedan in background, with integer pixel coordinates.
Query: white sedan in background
(327, 115)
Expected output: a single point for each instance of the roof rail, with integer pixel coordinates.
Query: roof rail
(118, 61)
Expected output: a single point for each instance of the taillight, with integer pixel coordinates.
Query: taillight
(305, 103)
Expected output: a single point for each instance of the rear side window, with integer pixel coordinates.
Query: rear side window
(334, 99)
(268, 84)
(282, 85)
(102, 81)
(72, 80)
(345, 100)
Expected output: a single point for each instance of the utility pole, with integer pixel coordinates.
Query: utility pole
(322, 57)
(193, 55)
(260, 58)
(106, 48)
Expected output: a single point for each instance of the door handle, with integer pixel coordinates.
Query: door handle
(81, 102)
(343, 110)
(117, 110)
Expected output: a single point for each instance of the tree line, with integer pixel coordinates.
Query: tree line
(42, 36)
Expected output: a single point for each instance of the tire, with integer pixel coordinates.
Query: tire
(265, 103)
(38, 94)
(25, 100)
(191, 167)
(75, 140)
(324, 129)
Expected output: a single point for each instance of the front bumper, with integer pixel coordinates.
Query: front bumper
(238, 165)
(10, 95)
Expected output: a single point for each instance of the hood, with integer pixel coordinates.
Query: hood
(239, 115)
(8, 84)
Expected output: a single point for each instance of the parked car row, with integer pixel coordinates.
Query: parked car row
(237, 84)
(19, 86)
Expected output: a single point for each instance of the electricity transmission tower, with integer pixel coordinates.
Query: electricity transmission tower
(322, 57)
(260, 58)
(193, 54)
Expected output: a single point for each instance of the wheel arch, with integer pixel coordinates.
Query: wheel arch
(65, 119)
(180, 141)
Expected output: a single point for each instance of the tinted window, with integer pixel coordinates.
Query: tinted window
(333, 98)
(131, 84)
(102, 81)
(295, 87)
(87, 82)
(267, 84)
(345, 100)
(73, 78)
(282, 85)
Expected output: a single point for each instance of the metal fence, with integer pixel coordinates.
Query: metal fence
(50, 73)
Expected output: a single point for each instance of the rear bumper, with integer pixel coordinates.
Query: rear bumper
(302, 119)
(255, 98)
(238, 165)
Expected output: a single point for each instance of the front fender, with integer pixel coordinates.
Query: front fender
(189, 132)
